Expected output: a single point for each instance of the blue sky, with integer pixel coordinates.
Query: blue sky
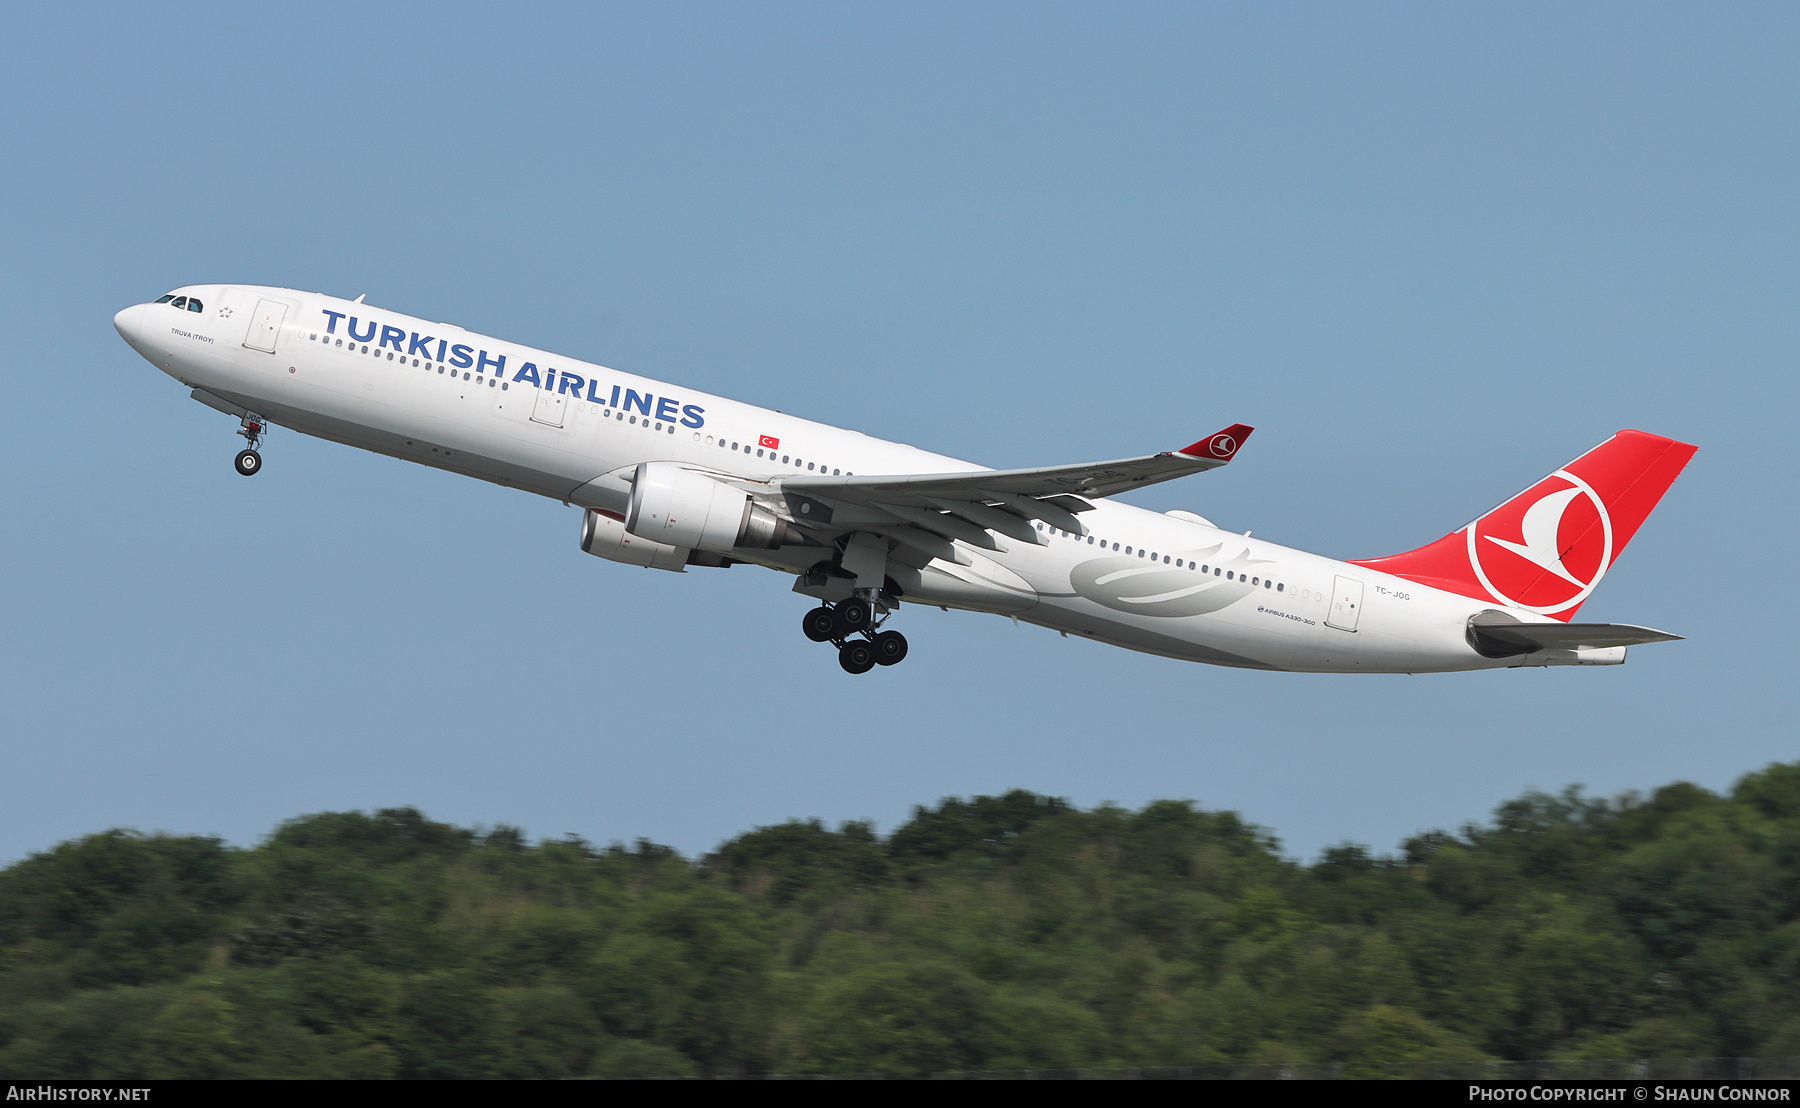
(1431, 251)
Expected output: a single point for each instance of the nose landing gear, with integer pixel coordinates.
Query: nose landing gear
(844, 622)
(249, 462)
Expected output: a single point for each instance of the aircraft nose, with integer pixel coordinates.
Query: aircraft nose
(129, 322)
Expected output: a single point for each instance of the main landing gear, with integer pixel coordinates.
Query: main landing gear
(842, 622)
(249, 462)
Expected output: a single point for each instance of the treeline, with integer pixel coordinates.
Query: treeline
(1002, 932)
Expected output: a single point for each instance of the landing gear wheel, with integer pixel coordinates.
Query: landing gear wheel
(857, 656)
(820, 624)
(853, 615)
(249, 463)
(890, 648)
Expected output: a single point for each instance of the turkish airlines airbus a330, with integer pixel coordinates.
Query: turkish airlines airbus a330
(670, 478)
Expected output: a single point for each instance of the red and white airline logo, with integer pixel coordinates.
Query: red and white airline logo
(1222, 446)
(770, 442)
(1545, 549)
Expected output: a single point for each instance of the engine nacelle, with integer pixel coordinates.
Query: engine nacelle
(674, 506)
(605, 537)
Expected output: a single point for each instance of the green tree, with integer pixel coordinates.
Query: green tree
(986, 932)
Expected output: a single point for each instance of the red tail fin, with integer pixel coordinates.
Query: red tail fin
(1548, 547)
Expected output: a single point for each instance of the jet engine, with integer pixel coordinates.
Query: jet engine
(677, 507)
(604, 536)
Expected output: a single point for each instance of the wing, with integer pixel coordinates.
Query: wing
(926, 509)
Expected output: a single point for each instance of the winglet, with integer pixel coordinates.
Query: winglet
(1220, 445)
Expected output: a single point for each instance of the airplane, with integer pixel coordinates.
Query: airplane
(670, 478)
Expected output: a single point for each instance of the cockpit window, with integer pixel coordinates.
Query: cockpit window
(195, 305)
(180, 302)
(165, 299)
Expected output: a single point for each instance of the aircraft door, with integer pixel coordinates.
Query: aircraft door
(265, 324)
(550, 407)
(1346, 603)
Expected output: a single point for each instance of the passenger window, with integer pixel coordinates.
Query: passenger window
(809, 465)
(165, 299)
(1230, 576)
(1280, 588)
(834, 473)
(195, 306)
(1165, 559)
(180, 302)
(784, 459)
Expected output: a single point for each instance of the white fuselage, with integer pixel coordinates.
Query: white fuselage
(436, 394)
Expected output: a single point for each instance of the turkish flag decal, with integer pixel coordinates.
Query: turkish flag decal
(771, 443)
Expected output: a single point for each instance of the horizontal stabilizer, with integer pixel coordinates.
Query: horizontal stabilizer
(1571, 636)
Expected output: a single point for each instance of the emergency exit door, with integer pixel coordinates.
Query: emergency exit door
(265, 324)
(1346, 603)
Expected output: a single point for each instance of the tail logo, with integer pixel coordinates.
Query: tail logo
(1223, 446)
(1544, 551)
